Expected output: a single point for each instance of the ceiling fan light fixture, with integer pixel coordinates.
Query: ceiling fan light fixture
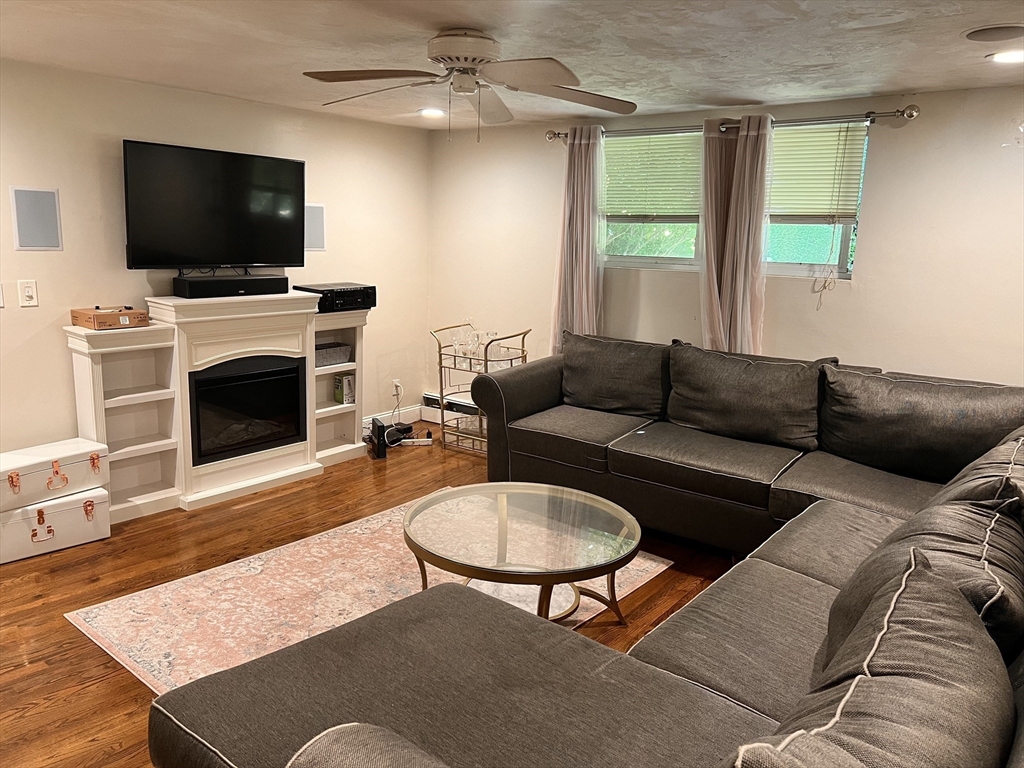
(995, 33)
(1007, 57)
(433, 112)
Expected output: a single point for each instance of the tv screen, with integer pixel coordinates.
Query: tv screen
(189, 208)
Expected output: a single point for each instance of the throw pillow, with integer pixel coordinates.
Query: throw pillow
(358, 745)
(977, 545)
(922, 428)
(764, 400)
(918, 682)
(629, 377)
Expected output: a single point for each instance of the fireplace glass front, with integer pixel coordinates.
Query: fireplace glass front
(247, 405)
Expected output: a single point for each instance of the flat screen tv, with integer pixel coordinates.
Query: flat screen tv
(188, 208)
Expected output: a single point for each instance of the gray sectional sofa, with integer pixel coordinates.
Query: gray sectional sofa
(885, 634)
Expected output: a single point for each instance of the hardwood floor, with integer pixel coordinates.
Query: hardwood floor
(64, 702)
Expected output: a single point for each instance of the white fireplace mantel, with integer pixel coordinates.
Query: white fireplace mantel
(212, 331)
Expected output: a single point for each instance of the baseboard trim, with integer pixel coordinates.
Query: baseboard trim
(408, 414)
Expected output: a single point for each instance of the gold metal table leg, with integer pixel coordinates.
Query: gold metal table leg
(423, 573)
(544, 603)
(611, 602)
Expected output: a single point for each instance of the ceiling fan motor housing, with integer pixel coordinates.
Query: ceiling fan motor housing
(463, 49)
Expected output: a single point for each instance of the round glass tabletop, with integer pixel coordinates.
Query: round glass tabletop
(521, 533)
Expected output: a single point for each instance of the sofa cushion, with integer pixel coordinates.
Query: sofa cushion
(569, 435)
(462, 676)
(1016, 671)
(767, 401)
(999, 474)
(828, 541)
(918, 683)
(614, 375)
(359, 745)
(978, 545)
(752, 636)
(699, 462)
(819, 475)
(924, 429)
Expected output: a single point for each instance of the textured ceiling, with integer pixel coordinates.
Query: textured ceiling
(666, 56)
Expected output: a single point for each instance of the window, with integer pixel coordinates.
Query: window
(652, 198)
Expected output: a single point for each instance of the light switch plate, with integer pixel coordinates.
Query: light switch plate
(27, 294)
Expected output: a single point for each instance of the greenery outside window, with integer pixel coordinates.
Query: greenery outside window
(652, 199)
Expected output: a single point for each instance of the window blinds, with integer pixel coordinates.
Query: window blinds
(817, 169)
(816, 174)
(652, 176)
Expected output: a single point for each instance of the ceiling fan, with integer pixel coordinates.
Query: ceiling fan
(473, 68)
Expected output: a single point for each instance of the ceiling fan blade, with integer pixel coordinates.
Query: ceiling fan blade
(546, 71)
(586, 98)
(353, 75)
(492, 109)
(381, 90)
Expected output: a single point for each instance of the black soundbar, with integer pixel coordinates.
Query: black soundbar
(209, 287)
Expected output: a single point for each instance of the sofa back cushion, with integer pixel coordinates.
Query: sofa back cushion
(998, 474)
(977, 545)
(748, 397)
(918, 682)
(924, 428)
(628, 377)
(1016, 671)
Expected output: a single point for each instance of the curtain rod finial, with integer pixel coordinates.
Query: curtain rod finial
(910, 111)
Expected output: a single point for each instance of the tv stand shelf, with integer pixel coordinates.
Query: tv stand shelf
(132, 392)
(126, 399)
(338, 426)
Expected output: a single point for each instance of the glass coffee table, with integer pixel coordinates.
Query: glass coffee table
(525, 534)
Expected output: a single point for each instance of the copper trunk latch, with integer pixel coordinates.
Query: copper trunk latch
(40, 516)
(57, 474)
(94, 462)
(14, 480)
(89, 507)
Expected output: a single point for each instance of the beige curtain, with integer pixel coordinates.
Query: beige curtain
(731, 235)
(578, 277)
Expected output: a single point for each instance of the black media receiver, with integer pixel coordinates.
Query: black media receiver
(342, 297)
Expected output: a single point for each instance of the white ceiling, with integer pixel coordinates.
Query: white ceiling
(666, 56)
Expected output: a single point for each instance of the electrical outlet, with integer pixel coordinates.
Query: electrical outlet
(396, 385)
(27, 295)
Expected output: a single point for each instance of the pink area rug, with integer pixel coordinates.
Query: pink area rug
(174, 633)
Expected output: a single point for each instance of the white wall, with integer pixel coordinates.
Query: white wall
(938, 285)
(64, 129)
(496, 217)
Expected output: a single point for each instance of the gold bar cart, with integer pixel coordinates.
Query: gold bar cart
(463, 352)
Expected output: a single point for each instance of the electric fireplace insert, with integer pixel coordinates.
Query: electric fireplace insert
(247, 405)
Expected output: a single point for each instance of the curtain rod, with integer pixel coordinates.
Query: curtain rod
(908, 112)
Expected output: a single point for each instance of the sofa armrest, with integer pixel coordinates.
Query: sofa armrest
(357, 745)
(511, 394)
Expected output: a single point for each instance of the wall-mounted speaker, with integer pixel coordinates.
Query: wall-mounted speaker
(36, 216)
(315, 238)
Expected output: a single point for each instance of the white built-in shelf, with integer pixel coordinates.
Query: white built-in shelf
(331, 408)
(147, 393)
(142, 495)
(139, 446)
(327, 449)
(339, 368)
